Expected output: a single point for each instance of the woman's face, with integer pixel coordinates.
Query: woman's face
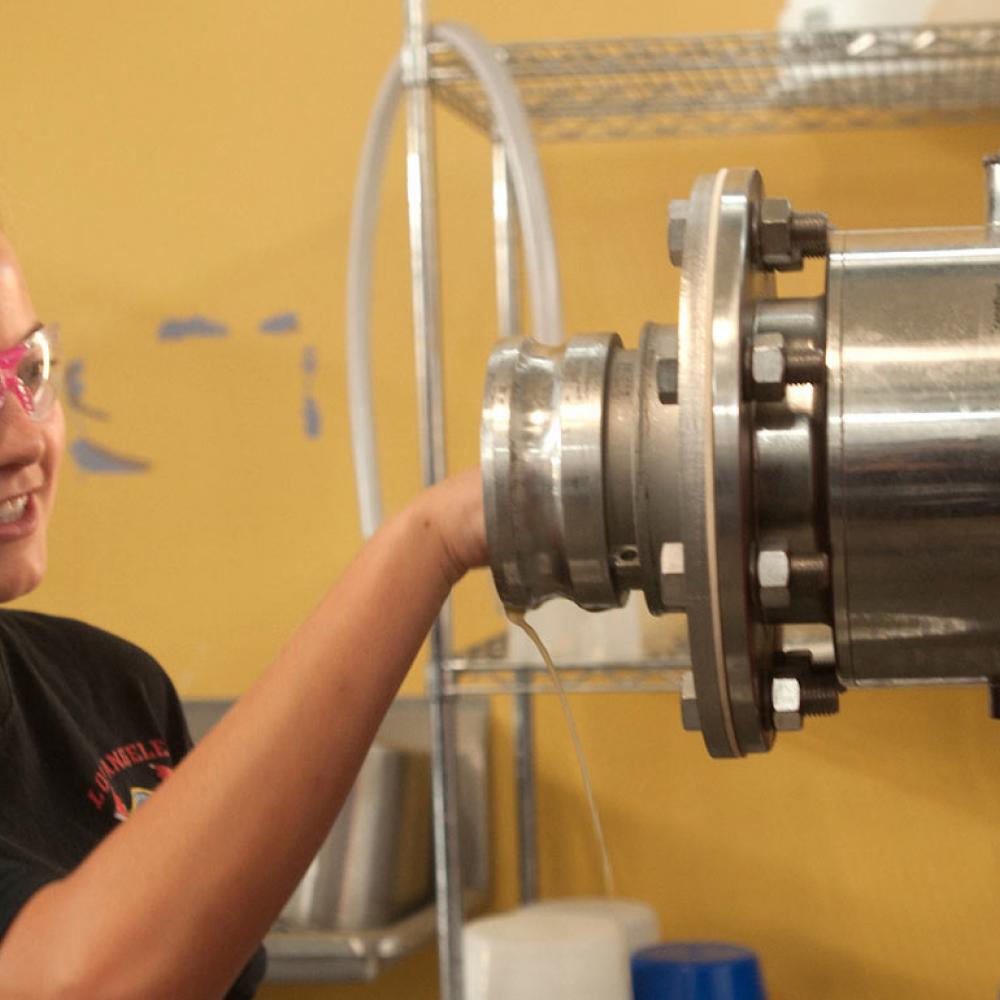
(29, 451)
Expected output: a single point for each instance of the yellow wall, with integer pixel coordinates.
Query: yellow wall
(169, 160)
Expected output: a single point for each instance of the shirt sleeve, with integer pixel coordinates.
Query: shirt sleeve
(175, 724)
(18, 883)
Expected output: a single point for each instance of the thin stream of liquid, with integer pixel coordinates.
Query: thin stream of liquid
(517, 618)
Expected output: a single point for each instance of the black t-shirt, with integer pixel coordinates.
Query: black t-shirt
(89, 726)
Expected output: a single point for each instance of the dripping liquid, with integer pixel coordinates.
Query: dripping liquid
(517, 618)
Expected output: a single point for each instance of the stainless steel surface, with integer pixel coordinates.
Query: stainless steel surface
(661, 469)
(575, 502)
(788, 489)
(407, 725)
(543, 471)
(375, 864)
(992, 167)
(814, 461)
(580, 471)
(653, 463)
(719, 287)
(330, 957)
(914, 441)
(697, 465)
(628, 88)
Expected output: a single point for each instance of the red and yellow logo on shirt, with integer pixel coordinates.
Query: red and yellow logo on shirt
(115, 783)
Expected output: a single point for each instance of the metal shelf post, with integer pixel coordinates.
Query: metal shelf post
(424, 257)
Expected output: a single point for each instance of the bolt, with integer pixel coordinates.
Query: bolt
(666, 380)
(676, 228)
(820, 693)
(800, 690)
(810, 233)
(810, 572)
(804, 364)
(784, 237)
(774, 575)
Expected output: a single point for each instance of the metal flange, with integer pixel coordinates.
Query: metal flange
(731, 652)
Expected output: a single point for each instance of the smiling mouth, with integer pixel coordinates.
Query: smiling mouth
(13, 509)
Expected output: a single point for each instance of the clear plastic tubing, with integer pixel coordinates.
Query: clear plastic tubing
(512, 126)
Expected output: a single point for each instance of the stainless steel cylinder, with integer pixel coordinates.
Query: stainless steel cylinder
(579, 468)
(832, 461)
(542, 442)
(914, 455)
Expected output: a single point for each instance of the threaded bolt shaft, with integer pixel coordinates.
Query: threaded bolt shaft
(810, 233)
(820, 694)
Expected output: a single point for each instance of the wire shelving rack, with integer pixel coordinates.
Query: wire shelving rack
(633, 88)
(629, 89)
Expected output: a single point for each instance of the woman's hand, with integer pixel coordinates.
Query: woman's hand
(453, 509)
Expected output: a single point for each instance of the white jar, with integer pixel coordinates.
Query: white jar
(532, 954)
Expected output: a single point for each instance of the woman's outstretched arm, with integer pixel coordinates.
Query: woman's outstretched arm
(236, 825)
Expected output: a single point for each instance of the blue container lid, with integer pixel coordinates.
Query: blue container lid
(696, 970)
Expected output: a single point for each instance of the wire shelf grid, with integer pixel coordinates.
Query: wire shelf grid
(754, 82)
(486, 669)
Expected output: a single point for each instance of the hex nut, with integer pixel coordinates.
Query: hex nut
(786, 704)
(774, 235)
(767, 362)
(774, 575)
(672, 575)
(690, 719)
(786, 694)
(676, 230)
(787, 722)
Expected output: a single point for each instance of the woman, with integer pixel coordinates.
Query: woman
(172, 903)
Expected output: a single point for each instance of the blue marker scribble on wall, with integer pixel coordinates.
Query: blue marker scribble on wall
(287, 322)
(92, 457)
(88, 456)
(75, 390)
(191, 326)
(312, 418)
